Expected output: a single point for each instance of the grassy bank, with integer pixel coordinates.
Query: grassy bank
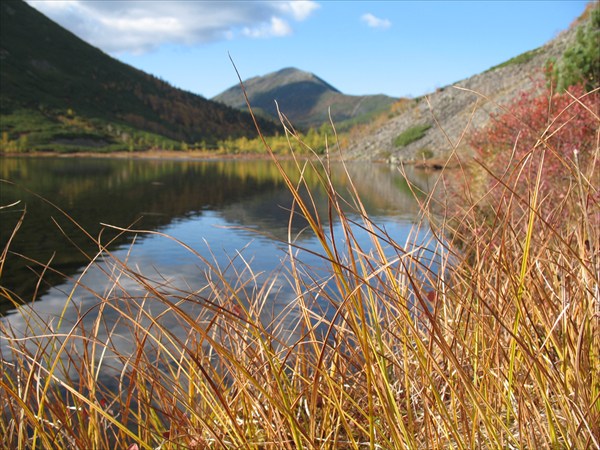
(498, 347)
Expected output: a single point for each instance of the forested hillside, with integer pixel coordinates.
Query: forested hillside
(59, 93)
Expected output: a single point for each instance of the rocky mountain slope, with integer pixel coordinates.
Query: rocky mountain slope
(304, 98)
(452, 110)
(56, 91)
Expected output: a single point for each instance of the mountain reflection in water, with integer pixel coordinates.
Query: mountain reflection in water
(154, 195)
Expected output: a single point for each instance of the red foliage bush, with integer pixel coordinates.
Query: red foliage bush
(535, 124)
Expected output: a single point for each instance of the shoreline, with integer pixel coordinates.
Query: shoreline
(145, 154)
(435, 164)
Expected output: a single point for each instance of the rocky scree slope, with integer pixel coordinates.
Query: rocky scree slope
(451, 110)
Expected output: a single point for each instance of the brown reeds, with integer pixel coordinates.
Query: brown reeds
(486, 335)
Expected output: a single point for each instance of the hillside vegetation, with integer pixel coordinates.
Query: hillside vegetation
(305, 99)
(59, 93)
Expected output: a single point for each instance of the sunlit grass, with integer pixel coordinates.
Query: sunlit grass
(494, 343)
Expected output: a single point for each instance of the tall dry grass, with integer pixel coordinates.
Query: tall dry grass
(492, 343)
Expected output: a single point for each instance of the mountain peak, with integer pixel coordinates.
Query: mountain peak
(302, 96)
(294, 75)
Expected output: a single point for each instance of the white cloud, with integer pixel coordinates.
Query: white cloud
(375, 22)
(277, 27)
(300, 9)
(141, 26)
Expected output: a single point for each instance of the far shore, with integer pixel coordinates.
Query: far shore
(426, 164)
(144, 154)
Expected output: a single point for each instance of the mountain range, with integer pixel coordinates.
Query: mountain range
(59, 93)
(304, 98)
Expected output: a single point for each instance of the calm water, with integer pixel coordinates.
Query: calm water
(226, 212)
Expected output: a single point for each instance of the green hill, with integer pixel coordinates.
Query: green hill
(59, 93)
(304, 98)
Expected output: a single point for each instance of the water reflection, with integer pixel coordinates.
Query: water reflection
(152, 194)
(214, 207)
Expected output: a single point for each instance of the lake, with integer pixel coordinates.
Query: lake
(230, 214)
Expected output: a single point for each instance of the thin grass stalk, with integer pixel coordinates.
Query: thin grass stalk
(521, 289)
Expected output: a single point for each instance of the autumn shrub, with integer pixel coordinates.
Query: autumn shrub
(558, 130)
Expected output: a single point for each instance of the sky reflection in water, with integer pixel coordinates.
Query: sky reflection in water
(232, 214)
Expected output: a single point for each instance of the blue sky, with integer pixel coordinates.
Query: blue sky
(398, 48)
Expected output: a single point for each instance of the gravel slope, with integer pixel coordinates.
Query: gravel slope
(463, 106)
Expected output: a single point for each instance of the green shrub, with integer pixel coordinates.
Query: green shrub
(580, 62)
(411, 135)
